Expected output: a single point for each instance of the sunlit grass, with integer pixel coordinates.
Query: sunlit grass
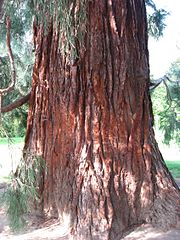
(16, 140)
(174, 167)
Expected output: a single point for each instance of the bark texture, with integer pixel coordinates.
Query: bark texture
(92, 123)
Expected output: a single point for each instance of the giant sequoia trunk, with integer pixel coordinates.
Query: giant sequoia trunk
(91, 120)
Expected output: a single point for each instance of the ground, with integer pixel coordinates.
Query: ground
(38, 229)
(51, 230)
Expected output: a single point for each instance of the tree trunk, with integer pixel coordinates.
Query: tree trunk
(92, 123)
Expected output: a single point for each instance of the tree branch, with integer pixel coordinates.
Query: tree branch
(155, 84)
(16, 104)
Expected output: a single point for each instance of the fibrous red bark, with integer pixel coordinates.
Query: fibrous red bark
(92, 123)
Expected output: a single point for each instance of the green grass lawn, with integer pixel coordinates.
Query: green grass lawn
(174, 167)
(4, 141)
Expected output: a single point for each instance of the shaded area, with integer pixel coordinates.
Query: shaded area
(52, 230)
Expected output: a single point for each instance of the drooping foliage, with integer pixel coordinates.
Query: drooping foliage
(166, 105)
(156, 19)
(23, 190)
(72, 26)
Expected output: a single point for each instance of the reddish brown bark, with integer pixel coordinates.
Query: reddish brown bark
(92, 123)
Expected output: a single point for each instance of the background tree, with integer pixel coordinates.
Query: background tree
(166, 104)
(14, 122)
